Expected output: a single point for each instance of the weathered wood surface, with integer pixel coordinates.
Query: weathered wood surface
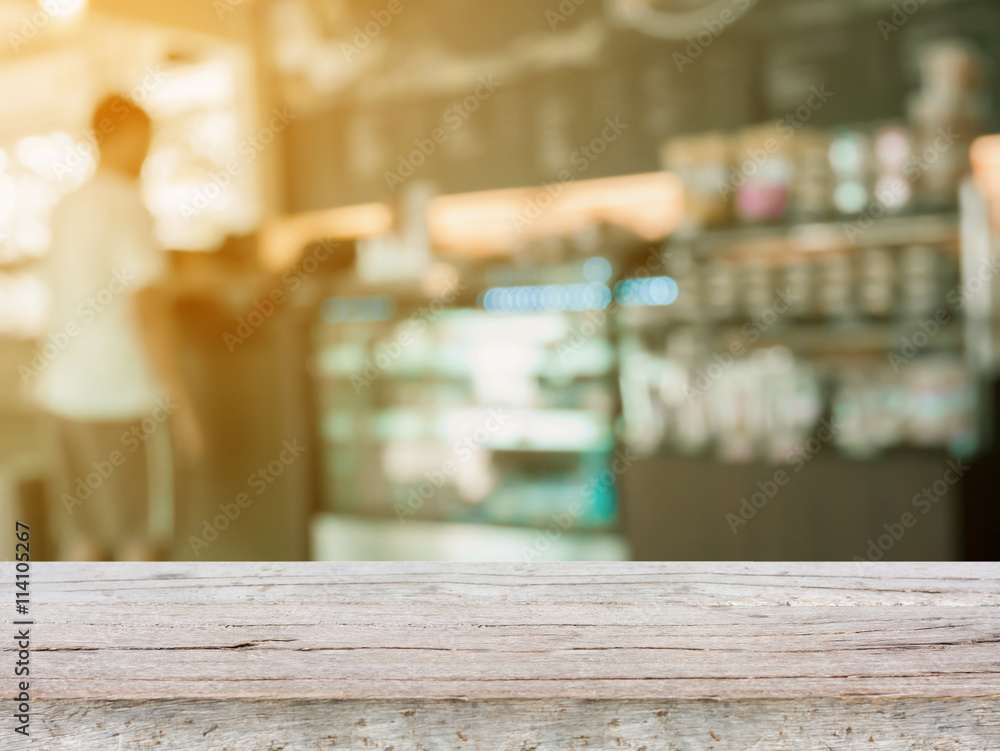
(423, 656)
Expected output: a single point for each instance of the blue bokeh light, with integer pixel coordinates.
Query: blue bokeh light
(659, 290)
(358, 309)
(597, 270)
(551, 298)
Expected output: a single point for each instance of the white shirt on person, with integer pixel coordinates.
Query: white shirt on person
(93, 363)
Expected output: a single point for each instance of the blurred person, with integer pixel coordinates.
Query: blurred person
(113, 381)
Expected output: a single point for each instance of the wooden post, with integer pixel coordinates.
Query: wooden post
(425, 656)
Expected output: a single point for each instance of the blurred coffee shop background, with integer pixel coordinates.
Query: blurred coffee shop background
(541, 279)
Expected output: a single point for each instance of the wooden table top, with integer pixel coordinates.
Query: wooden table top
(558, 655)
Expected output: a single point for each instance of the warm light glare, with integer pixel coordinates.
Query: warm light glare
(57, 158)
(36, 173)
(206, 85)
(985, 157)
(63, 9)
(650, 205)
(8, 197)
(24, 305)
(284, 239)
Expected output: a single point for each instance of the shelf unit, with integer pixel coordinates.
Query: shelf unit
(427, 413)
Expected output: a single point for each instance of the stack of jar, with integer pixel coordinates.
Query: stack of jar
(879, 284)
(788, 172)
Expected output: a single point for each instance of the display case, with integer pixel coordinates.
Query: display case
(800, 393)
(443, 410)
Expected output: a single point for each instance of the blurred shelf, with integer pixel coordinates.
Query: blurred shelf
(818, 237)
(539, 430)
(519, 504)
(805, 337)
(345, 538)
(832, 455)
(871, 337)
(592, 359)
(438, 377)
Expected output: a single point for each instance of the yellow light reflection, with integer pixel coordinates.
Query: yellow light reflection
(283, 239)
(650, 205)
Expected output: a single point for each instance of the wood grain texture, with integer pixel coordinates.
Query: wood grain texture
(674, 656)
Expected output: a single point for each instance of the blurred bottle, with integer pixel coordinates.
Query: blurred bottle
(757, 285)
(893, 151)
(923, 276)
(940, 404)
(851, 163)
(834, 287)
(813, 181)
(720, 294)
(947, 114)
(765, 167)
(702, 163)
(681, 267)
(798, 278)
(876, 283)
